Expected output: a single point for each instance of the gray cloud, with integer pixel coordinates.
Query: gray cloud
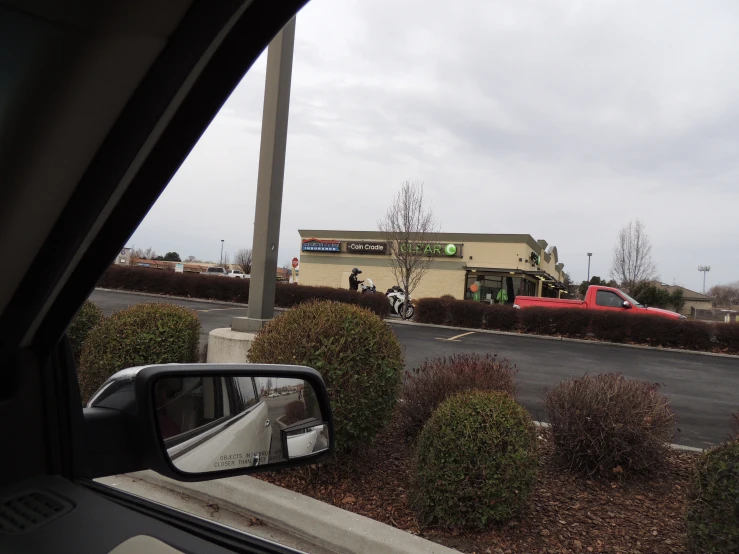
(559, 119)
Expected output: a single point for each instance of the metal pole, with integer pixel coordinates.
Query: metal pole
(221, 262)
(704, 282)
(269, 182)
(589, 254)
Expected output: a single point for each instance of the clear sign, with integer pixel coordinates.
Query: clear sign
(179, 268)
(448, 250)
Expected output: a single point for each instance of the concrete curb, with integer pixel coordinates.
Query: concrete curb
(563, 339)
(323, 524)
(185, 298)
(679, 447)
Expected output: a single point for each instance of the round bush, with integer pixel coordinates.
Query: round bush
(85, 321)
(357, 354)
(476, 461)
(606, 423)
(140, 335)
(713, 502)
(425, 387)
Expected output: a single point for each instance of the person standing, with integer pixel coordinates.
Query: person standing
(354, 281)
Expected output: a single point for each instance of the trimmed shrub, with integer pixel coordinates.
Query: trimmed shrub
(140, 335)
(500, 318)
(466, 313)
(89, 317)
(447, 297)
(713, 502)
(727, 336)
(605, 423)
(425, 387)
(357, 354)
(476, 461)
(210, 287)
(610, 326)
(432, 310)
(537, 320)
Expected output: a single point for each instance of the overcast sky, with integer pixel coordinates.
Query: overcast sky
(563, 120)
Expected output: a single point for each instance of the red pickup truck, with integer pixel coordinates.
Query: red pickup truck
(597, 298)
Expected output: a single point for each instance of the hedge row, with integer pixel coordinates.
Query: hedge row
(602, 325)
(210, 287)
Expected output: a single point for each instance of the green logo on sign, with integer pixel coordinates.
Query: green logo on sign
(450, 249)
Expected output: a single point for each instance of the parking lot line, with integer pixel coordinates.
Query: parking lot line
(221, 309)
(457, 337)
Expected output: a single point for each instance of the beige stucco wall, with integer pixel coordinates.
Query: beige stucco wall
(446, 274)
(436, 282)
(697, 304)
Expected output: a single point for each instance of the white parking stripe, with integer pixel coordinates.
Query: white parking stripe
(456, 338)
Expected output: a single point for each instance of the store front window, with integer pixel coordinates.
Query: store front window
(497, 288)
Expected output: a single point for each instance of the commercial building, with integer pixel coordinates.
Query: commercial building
(488, 268)
(693, 300)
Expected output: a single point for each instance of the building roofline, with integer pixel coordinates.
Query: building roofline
(457, 237)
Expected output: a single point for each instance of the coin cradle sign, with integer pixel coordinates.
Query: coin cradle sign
(447, 250)
(316, 245)
(367, 247)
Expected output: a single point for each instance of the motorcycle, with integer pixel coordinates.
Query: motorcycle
(399, 303)
(369, 288)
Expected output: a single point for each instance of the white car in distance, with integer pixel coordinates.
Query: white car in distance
(237, 274)
(221, 271)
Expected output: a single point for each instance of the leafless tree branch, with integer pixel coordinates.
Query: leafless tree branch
(407, 223)
(632, 256)
(243, 260)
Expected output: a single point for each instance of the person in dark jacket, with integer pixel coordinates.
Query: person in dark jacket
(354, 282)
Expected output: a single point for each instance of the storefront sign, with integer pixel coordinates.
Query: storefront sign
(367, 247)
(315, 245)
(449, 250)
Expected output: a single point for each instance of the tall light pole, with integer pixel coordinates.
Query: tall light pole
(704, 269)
(269, 182)
(222, 240)
(589, 255)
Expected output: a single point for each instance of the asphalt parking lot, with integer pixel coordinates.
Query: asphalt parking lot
(703, 390)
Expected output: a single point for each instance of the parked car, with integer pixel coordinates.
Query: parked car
(597, 298)
(200, 434)
(237, 274)
(222, 271)
(136, 84)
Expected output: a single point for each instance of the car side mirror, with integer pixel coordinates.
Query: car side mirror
(207, 421)
(626, 304)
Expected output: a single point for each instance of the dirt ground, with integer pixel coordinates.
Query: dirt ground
(566, 514)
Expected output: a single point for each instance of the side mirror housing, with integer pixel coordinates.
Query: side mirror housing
(627, 304)
(194, 422)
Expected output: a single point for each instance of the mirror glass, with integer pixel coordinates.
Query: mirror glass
(308, 440)
(218, 423)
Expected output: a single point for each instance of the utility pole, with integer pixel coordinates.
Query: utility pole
(221, 262)
(589, 255)
(269, 182)
(704, 269)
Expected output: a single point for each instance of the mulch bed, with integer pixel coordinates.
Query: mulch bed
(567, 513)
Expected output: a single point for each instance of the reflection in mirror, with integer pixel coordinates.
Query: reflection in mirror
(218, 423)
(309, 440)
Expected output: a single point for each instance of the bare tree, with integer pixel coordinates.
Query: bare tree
(191, 259)
(149, 254)
(725, 296)
(243, 260)
(226, 260)
(632, 256)
(408, 226)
